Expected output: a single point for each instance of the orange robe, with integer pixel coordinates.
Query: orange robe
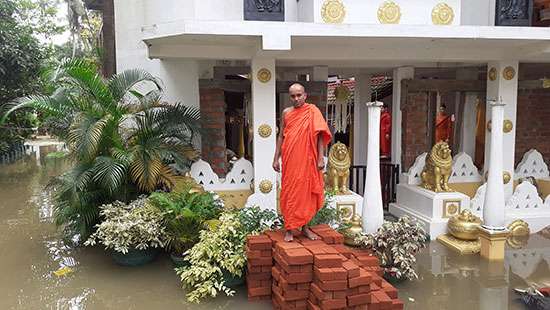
(443, 128)
(385, 134)
(302, 185)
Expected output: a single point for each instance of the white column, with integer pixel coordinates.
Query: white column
(373, 212)
(493, 208)
(399, 74)
(505, 89)
(468, 132)
(362, 94)
(263, 106)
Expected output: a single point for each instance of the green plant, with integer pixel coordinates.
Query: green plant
(130, 226)
(185, 215)
(328, 215)
(121, 141)
(396, 244)
(222, 250)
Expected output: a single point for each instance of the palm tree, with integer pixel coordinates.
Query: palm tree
(120, 140)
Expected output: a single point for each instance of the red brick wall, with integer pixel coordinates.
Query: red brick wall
(533, 123)
(414, 128)
(212, 105)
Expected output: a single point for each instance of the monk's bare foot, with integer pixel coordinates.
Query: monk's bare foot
(309, 234)
(288, 236)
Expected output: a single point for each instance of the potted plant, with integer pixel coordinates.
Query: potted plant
(396, 244)
(186, 213)
(133, 232)
(218, 260)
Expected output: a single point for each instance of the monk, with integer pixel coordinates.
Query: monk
(303, 136)
(443, 125)
(385, 132)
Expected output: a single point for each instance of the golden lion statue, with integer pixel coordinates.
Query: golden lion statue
(338, 166)
(437, 170)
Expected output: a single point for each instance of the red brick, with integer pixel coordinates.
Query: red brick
(352, 268)
(259, 298)
(397, 304)
(385, 300)
(253, 254)
(316, 249)
(336, 285)
(368, 261)
(340, 294)
(319, 293)
(391, 292)
(374, 303)
(363, 288)
(299, 256)
(266, 253)
(311, 306)
(328, 261)
(283, 264)
(259, 291)
(330, 250)
(259, 276)
(359, 299)
(339, 273)
(254, 269)
(261, 261)
(342, 249)
(329, 304)
(323, 274)
(281, 247)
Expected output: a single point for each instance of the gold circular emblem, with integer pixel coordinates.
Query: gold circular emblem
(264, 130)
(333, 11)
(452, 209)
(266, 186)
(509, 73)
(389, 13)
(493, 74)
(264, 75)
(508, 126)
(442, 14)
(506, 177)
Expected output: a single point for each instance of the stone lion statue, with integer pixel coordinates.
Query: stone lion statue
(438, 168)
(338, 166)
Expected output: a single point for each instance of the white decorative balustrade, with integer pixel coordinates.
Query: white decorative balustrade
(239, 178)
(464, 170)
(532, 165)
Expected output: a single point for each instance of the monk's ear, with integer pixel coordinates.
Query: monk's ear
(305, 95)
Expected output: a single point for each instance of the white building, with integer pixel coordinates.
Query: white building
(238, 71)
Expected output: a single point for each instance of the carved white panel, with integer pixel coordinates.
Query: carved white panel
(476, 204)
(525, 200)
(547, 201)
(260, 200)
(240, 176)
(464, 170)
(415, 171)
(532, 164)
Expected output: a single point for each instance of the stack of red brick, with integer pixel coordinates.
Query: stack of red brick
(325, 274)
(258, 277)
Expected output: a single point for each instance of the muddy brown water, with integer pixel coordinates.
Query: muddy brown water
(32, 250)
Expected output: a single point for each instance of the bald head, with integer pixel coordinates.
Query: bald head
(297, 94)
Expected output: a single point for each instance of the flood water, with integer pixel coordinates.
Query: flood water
(32, 250)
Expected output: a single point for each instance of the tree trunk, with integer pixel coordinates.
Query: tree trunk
(109, 44)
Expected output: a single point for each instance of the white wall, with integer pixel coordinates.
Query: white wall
(475, 12)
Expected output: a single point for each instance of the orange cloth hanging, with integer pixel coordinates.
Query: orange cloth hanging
(302, 185)
(385, 134)
(480, 136)
(443, 128)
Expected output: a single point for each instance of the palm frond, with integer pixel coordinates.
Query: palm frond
(120, 84)
(110, 173)
(86, 134)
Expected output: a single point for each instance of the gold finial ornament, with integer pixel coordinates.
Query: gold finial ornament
(519, 228)
(442, 14)
(264, 75)
(508, 73)
(438, 168)
(507, 125)
(493, 74)
(266, 186)
(333, 11)
(545, 83)
(506, 177)
(464, 226)
(389, 13)
(339, 163)
(265, 130)
(354, 231)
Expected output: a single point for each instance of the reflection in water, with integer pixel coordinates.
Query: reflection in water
(33, 251)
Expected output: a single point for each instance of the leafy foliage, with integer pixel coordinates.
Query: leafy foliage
(396, 244)
(222, 250)
(120, 140)
(130, 226)
(185, 215)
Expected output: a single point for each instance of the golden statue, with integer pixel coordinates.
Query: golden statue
(338, 166)
(464, 226)
(437, 170)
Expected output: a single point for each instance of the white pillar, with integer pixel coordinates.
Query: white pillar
(502, 85)
(493, 208)
(362, 94)
(263, 113)
(468, 132)
(399, 74)
(373, 212)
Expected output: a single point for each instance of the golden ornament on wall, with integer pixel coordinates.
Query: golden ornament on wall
(333, 11)
(442, 14)
(507, 126)
(506, 177)
(493, 74)
(264, 75)
(264, 130)
(519, 228)
(509, 73)
(545, 83)
(266, 186)
(389, 13)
